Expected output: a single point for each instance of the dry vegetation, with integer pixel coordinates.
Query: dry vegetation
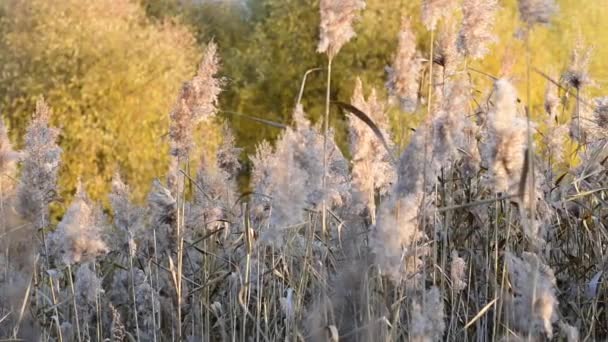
(489, 226)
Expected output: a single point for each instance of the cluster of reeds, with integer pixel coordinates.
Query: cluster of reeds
(482, 229)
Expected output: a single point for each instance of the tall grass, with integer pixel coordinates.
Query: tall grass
(480, 230)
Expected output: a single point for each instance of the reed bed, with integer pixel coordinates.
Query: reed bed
(484, 227)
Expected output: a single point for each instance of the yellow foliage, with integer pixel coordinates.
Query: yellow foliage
(110, 76)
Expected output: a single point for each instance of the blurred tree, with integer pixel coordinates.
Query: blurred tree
(269, 44)
(282, 47)
(110, 76)
(111, 69)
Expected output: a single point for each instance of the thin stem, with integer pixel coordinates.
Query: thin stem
(54, 301)
(426, 133)
(578, 117)
(325, 133)
(301, 93)
(430, 96)
(74, 302)
(530, 152)
(180, 191)
(135, 313)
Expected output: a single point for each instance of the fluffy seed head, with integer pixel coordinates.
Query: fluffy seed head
(584, 126)
(554, 140)
(428, 323)
(372, 170)
(196, 102)
(477, 25)
(533, 305)
(163, 215)
(507, 139)
(537, 11)
(600, 114)
(569, 332)
(446, 50)
(78, 235)
(336, 25)
(128, 218)
(449, 123)
(396, 239)
(228, 153)
(404, 76)
(163, 204)
(38, 186)
(434, 10)
(577, 73)
(87, 286)
(458, 272)
(124, 213)
(551, 99)
(8, 157)
(288, 179)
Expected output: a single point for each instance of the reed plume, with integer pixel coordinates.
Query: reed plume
(537, 11)
(372, 171)
(197, 101)
(78, 237)
(427, 320)
(532, 306)
(506, 141)
(38, 186)
(289, 178)
(458, 274)
(8, 158)
(336, 27)
(556, 134)
(434, 10)
(446, 52)
(576, 74)
(404, 75)
(476, 35)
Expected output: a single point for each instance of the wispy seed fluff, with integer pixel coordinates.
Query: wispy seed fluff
(555, 135)
(404, 76)
(287, 180)
(78, 235)
(128, 218)
(577, 73)
(449, 123)
(87, 286)
(427, 317)
(8, 158)
(537, 11)
(434, 10)
(600, 114)
(372, 171)
(163, 214)
(506, 151)
(446, 51)
(125, 213)
(395, 240)
(475, 35)
(591, 124)
(552, 100)
(217, 190)
(38, 186)
(507, 139)
(532, 306)
(228, 153)
(196, 102)
(336, 25)
(458, 274)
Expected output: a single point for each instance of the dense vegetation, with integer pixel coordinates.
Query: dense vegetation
(439, 175)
